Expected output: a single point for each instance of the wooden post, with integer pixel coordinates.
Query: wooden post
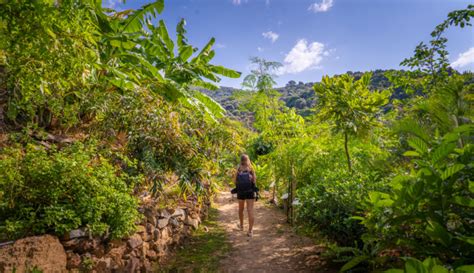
(293, 193)
(288, 202)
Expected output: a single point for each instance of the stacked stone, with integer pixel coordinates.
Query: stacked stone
(157, 234)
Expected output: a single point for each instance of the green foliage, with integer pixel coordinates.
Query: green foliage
(47, 51)
(262, 77)
(430, 63)
(79, 70)
(429, 265)
(56, 191)
(429, 209)
(80, 50)
(329, 195)
(350, 105)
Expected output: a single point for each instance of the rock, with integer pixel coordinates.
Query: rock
(179, 213)
(146, 237)
(99, 251)
(176, 238)
(135, 241)
(132, 265)
(71, 244)
(141, 229)
(151, 216)
(156, 234)
(164, 214)
(194, 215)
(77, 233)
(116, 255)
(146, 266)
(45, 252)
(152, 255)
(89, 245)
(73, 260)
(162, 222)
(187, 230)
(115, 243)
(150, 228)
(144, 250)
(165, 235)
(103, 265)
(174, 223)
(192, 222)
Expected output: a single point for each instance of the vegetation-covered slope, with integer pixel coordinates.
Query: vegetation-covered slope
(95, 109)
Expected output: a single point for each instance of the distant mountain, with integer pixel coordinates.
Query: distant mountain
(299, 95)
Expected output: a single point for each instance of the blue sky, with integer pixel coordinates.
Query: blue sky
(312, 38)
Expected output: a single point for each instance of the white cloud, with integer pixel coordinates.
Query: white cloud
(464, 59)
(219, 45)
(260, 49)
(271, 35)
(238, 2)
(324, 6)
(302, 56)
(111, 3)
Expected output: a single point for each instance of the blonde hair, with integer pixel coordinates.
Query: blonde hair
(245, 163)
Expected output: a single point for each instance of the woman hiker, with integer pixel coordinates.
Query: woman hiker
(245, 182)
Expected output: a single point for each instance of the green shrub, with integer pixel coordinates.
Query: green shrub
(328, 194)
(54, 191)
(430, 209)
(329, 203)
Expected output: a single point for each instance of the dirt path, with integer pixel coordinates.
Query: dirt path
(274, 247)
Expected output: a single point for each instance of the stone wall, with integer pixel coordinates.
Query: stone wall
(159, 232)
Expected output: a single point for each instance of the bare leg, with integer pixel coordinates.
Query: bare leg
(241, 212)
(250, 203)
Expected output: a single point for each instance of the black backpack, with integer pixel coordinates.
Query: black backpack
(244, 182)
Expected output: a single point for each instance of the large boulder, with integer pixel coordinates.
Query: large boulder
(41, 252)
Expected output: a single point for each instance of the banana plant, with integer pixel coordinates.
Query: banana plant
(138, 53)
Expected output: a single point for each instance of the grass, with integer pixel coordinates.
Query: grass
(204, 250)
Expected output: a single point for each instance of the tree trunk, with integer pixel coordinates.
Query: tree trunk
(349, 164)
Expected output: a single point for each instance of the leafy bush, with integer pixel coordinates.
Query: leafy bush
(329, 204)
(328, 194)
(430, 209)
(56, 191)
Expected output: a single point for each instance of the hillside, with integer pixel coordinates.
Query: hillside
(300, 96)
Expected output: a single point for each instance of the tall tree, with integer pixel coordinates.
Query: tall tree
(350, 105)
(262, 77)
